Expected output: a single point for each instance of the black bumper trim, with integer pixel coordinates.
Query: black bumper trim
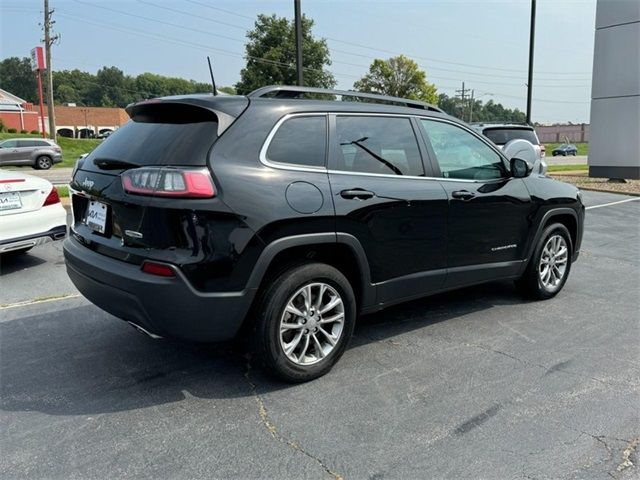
(169, 307)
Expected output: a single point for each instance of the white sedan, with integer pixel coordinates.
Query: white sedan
(30, 212)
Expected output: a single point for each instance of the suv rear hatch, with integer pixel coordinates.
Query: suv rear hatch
(141, 193)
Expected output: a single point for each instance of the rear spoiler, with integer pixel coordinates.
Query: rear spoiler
(226, 108)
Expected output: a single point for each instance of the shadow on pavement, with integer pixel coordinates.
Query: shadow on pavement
(83, 361)
(14, 261)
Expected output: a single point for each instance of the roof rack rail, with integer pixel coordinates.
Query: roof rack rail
(285, 91)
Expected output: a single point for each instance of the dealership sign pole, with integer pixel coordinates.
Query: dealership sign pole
(38, 65)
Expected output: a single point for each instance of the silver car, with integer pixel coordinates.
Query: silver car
(39, 153)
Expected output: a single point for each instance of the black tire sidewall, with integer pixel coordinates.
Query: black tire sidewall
(272, 305)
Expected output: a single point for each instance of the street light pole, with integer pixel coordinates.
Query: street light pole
(298, 24)
(532, 34)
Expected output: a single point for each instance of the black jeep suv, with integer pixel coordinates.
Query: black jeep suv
(286, 217)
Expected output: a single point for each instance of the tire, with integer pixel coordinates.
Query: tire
(43, 163)
(564, 154)
(574, 153)
(289, 289)
(532, 284)
(555, 154)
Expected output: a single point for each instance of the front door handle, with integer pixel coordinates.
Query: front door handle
(463, 195)
(357, 194)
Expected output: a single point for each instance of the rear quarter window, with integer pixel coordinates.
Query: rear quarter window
(300, 141)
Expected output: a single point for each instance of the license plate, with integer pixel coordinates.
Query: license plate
(96, 218)
(10, 201)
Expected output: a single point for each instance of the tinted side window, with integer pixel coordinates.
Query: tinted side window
(10, 144)
(383, 145)
(300, 141)
(40, 143)
(25, 143)
(460, 154)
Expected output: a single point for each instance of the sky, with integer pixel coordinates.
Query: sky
(481, 42)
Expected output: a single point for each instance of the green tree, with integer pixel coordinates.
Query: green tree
(271, 54)
(482, 112)
(17, 78)
(399, 77)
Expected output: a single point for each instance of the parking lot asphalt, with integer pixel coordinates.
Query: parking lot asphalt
(476, 383)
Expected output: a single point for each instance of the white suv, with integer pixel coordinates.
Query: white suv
(503, 133)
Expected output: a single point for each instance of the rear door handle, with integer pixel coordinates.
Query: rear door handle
(357, 193)
(463, 195)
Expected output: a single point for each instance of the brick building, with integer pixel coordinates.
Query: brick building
(18, 113)
(71, 121)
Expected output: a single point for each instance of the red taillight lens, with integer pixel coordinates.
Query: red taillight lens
(12, 180)
(52, 197)
(169, 182)
(159, 269)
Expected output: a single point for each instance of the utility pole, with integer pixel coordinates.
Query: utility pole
(463, 95)
(532, 34)
(298, 23)
(48, 41)
(471, 106)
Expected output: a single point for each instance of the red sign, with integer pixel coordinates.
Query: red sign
(37, 59)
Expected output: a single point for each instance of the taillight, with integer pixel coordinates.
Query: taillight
(159, 269)
(52, 197)
(168, 182)
(12, 180)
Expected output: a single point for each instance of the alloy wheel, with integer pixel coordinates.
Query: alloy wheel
(553, 262)
(312, 323)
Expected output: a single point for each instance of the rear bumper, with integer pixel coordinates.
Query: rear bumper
(57, 158)
(56, 233)
(168, 307)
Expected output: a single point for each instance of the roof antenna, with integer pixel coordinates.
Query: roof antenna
(213, 80)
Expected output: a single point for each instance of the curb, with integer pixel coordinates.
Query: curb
(617, 192)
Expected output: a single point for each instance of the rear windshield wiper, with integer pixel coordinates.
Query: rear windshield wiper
(112, 164)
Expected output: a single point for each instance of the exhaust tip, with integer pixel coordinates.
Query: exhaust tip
(145, 331)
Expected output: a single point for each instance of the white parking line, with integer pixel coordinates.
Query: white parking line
(38, 300)
(614, 203)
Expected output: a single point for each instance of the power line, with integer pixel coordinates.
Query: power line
(207, 48)
(334, 61)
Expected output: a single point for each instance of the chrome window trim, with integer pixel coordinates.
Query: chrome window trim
(298, 168)
(288, 166)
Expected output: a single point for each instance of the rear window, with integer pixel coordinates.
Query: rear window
(501, 136)
(160, 134)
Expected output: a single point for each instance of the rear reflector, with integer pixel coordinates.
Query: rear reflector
(159, 269)
(169, 182)
(52, 197)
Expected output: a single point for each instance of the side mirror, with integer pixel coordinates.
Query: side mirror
(520, 168)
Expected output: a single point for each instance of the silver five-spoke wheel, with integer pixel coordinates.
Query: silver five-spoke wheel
(312, 323)
(553, 262)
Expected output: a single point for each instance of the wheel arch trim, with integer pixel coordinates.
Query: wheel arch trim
(555, 212)
(284, 243)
